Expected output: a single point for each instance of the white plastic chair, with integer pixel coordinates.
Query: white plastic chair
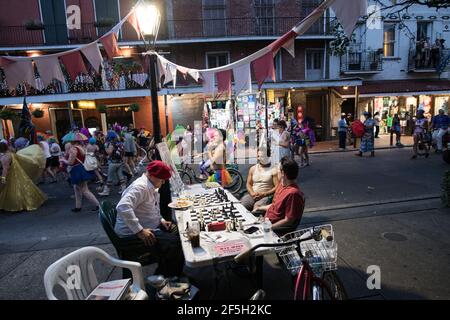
(63, 273)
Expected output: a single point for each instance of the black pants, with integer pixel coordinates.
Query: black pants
(377, 131)
(168, 252)
(342, 138)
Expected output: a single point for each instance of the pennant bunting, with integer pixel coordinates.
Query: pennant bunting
(93, 55)
(133, 21)
(19, 71)
(194, 73)
(208, 82)
(49, 69)
(242, 79)
(224, 81)
(264, 68)
(74, 64)
(348, 15)
(286, 38)
(110, 45)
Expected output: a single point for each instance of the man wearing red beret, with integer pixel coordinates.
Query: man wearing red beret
(138, 213)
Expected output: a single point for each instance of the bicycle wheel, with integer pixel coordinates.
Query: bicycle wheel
(185, 177)
(237, 181)
(335, 289)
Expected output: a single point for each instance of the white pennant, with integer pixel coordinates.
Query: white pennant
(93, 55)
(208, 82)
(49, 69)
(242, 78)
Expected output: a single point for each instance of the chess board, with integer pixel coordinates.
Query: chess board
(218, 214)
(218, 197)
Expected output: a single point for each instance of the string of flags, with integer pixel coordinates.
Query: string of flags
(216, 80)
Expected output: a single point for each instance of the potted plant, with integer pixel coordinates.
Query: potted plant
(7, 114)
(101, 108)
(33, 25)
(104, 22)
(135, 107)
(38, 113)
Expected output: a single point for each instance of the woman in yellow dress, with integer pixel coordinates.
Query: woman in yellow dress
(18, 191)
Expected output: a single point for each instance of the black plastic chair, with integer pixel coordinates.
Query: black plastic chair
(129, 248)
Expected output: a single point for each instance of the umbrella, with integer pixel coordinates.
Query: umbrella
(72, 136)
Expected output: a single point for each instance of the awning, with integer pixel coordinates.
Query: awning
(386, 88)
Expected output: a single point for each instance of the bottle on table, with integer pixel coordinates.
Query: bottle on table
(267, 227)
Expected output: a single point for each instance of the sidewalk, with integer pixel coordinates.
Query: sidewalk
(383, 142)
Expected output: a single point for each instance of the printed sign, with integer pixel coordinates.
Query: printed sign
(229, 248)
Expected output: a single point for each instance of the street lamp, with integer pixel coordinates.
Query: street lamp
(149, 20)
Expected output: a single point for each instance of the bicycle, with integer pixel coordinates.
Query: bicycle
(188, 176)
(424, 145)
(311, 257)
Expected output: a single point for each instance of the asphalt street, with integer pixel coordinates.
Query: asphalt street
(385, 211)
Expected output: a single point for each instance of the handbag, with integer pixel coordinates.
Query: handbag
(90, 162)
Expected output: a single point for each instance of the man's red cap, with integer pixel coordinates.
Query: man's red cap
(159, 170)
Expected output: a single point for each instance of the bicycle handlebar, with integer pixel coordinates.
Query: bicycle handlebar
(243, 256)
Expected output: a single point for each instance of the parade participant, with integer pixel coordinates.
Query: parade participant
(92, 151)
(17, 189)
(78, 174)
(48, 170)
(286, 210)
(217, 157)
(261, 183)
(130, 149)
(55, 151)
(138, 213)
(440, 125)
(420, 129)
(367, 140)
(280, 143)
(115, 153)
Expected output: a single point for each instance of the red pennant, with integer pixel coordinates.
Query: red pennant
(224, 81)
(276, 45)
(110, 44)
(264, 68)
(74, 64)
(134, 23)
(5, 61)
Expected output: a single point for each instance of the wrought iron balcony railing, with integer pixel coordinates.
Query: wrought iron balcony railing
(430, 59)
(362, 61)
(16, 36)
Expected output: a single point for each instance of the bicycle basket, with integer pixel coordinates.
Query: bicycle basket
(321, 255)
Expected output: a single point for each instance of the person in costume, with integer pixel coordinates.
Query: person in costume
(18, 191)
(217, 156)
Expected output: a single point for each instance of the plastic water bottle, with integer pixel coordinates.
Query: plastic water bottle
(267, 227)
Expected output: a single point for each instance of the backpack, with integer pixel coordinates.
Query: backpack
(358, 128)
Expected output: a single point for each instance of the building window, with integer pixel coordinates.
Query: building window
(217, 59)
(423, 30)
(265, 17)
(278, 66)
(214, 22)
(314, 64)
(389, 40)
(308, 6)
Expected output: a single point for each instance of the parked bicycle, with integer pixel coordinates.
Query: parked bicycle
(189, 176)
(311, 257)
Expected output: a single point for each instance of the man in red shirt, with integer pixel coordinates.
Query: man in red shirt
(286, 210)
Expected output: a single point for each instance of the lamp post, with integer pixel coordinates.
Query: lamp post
(149, 20)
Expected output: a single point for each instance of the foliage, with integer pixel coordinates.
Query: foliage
(135, 107)
(101, 108)
(37, 113)
(340, 42)
(7, 114)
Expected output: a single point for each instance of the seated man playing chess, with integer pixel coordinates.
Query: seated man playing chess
(138, 213)
(288, 204)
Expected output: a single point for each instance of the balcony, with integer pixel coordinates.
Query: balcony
(428, 60)
(172, 31)
(362, 61)
(115, 77)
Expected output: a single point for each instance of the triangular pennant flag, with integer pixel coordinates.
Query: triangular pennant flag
(110, 44)
(276, 45)
(242, 78)
(19, 71)
(170, 73)
(49, 69)
(194, 73)
(74, 64)
(133, 21)
(5, 61)
(348, 15)
(183, 71)
(208, 82)
(93, 55)
(264, 68)
(224, 81)
(289, 46)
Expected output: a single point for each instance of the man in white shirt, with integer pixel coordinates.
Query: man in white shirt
(138, 213)
(46, 148)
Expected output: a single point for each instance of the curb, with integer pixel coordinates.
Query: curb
(373, 203)
(355, 149)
